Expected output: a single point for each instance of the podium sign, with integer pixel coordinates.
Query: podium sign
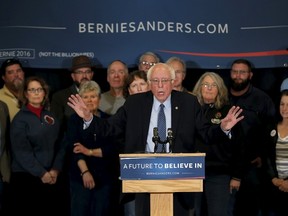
(162, 166)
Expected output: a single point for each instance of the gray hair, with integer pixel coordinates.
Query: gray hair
(89, 86)
(149, 54)
(168, 67)
(177, 59)
(222, 96)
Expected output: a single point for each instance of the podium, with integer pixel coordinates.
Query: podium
(161, 189)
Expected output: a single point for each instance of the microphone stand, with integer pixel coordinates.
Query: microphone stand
(156, 139)
(170, 139)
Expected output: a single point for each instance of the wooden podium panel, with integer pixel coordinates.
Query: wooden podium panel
(161, 204)
(162, 186)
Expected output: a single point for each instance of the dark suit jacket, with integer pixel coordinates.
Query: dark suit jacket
(133, 119)
(59, 106)
(5, 162)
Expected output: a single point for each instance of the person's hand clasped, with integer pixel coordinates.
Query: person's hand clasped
(47, 178)
(79, 148)
(284, 186)
(277, 181)
(234, 185)
(54, 175)
(232, 118)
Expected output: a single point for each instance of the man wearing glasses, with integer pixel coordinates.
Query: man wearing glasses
(259, 111)
(147, 60)
(81, 71)
(13, 77)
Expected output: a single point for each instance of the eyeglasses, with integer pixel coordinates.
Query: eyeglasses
(87, 72)
(208, 85)
(148, 63)
(241, 72)
(33, 90)
(163, 81)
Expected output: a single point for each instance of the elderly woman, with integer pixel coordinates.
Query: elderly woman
(223, 163)
(94, 162)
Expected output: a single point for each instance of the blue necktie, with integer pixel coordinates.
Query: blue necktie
(161, 124)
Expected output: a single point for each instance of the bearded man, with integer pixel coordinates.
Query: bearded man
(259, 111)
(13, 76)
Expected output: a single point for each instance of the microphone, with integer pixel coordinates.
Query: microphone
(155, 138)
(170, 138)
(155, 132)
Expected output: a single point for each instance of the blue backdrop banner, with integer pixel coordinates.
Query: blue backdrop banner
(206, 34)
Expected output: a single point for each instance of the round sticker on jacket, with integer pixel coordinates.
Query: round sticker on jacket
(273, 133)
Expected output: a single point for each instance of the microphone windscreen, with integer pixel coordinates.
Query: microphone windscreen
(170, 132)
